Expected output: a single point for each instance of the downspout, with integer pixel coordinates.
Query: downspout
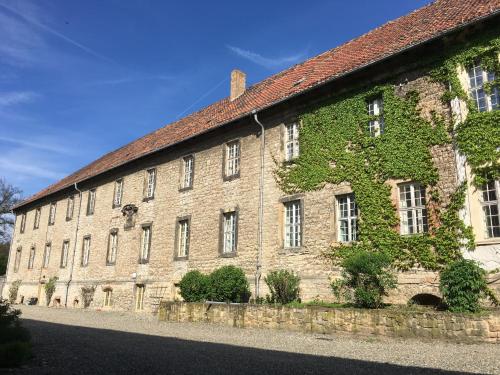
(74, 246)
(261, 206)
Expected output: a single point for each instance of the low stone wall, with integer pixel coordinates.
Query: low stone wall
(387, 322)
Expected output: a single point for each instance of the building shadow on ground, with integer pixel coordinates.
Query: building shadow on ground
(65, 349)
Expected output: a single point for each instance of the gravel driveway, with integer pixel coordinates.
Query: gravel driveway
(94, 342)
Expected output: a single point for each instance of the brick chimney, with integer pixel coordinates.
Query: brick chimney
(238, 80)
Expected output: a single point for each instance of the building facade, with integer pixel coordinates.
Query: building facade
(131, 224)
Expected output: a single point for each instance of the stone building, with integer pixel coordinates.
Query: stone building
(201, 192)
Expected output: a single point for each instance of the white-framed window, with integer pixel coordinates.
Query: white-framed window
(91, 202)
(412, 210)
(187, 171)
(64, 254)
(108, 297)
(293, 224)
(23, 223)
(376, 111)
(70, 207)
(182, 238)
(31, 259)
(291, 141)
(85, 251)
(232, 167)
(229, 237)
(149, 189)
(36, 223)
(112, 247)
(117, 198)
(477, 78)
(52, 213)
(145, 243)
(347, 218)
(139, 297)
(46, 255)
(17, 259)
(491, 205)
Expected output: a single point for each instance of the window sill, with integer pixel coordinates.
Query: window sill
(110, 264)
(176, 258)
(293, 250)
(489, 241)
(187, 188)
(231, 177)
(228, 255)
(115, 206)
(147, 199)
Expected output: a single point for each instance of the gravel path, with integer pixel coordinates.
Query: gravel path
(93, 342)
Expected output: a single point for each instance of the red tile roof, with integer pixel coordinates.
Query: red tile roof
(395, 36)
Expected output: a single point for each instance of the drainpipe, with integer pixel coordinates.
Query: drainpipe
(261, 205)
(74, 246)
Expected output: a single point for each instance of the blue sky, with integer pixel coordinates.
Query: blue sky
(81, 78)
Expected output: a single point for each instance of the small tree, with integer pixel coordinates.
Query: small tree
(50, 288)
(13, 289)
(87, 293)
(9, 196)
(283, 286)
(365, 279)
(194, 286)
(463, 284)
(229, 284)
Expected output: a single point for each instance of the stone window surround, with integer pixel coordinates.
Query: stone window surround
(339, 218)
(234, 176)
(290, 198)
(17, 260)
(375, 107)
(139, 293)
(414, 207)
(222, 254)
(111, 232)
(89, 237)
(118, 182)
(182, 187)
(147, 171)
(52, 213)
(285, 141)
(91, 204)
(70, 204)
(63, 264)
(31, 257)
(38, 214)
(46, 254)
(149, 225)
(176, 237)
(23, 223)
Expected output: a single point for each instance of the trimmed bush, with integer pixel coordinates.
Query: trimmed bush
(463, 284)
(283, 286)
(365, 279)
(15, 347)
(194, 287)
(228, 284)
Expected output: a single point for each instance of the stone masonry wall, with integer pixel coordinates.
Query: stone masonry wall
(435, 325)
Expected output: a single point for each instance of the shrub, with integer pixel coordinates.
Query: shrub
(228, 284)
(15, 347)
(365, 279)
(283, 286)
(13, 289)
(87, 293)
(50, 288)
(463, 284)
(194, 287)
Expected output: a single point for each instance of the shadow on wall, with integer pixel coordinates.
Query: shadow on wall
(62, 349)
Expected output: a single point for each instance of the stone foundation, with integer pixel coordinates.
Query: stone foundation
(393, 323)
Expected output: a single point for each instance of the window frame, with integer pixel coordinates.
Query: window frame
(142, 259)
(489, 203)
(118, 183)
(52, 213)
(179, 220)
(474, 89)
(64, 255)
(375, 108)
(31, 257)
(146, 195)
(139, 296)
(91, 200)
(404, 230)
(46, 255)
(226, 160)
(350, 198)
(183, 185)
(285, 202)
(222, 233)
(294, 141)
(38, 214)
(70, 207)
(22, 227)
(85, 260)
(108, 297)
(111, 262)
(17, 258)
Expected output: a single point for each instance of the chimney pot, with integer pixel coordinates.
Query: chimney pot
(238, 81)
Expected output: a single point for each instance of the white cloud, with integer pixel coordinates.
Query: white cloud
(29, 169)
(41, 144)
(16, 97)
(267, 62)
